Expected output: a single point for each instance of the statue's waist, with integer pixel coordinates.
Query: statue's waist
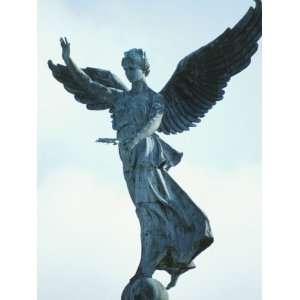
(128, 122)
(149, 152)
(128, 131)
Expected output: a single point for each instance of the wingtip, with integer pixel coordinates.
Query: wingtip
(257, 3)
(50, 64)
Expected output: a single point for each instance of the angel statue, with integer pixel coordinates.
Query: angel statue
(173, 229)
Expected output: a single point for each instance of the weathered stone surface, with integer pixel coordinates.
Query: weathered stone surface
(145, 289)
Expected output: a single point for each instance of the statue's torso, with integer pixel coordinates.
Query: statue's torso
(131, 113)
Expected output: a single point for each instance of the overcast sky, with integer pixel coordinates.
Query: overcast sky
(88, 232)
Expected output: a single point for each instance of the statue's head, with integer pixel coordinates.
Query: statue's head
(135, 64)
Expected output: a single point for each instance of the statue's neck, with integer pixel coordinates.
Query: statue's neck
(139, 86)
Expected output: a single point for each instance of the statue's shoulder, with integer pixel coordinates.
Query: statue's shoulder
(156, 101)
(155, 97)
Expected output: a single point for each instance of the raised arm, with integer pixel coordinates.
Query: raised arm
(103, 93)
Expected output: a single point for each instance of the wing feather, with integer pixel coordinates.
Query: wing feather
(200, 78)
(92, 102)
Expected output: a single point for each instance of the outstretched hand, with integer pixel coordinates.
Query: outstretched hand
(65, 45)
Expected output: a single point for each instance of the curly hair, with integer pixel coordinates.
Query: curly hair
(137, 57)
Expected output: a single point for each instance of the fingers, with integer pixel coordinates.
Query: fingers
(64, 42)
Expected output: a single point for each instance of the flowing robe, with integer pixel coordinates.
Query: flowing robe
(173, 229)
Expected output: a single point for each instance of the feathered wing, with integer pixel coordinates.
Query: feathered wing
(200, 78)
(104, 77)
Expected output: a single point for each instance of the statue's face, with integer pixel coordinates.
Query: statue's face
(133, 72)
(132, 66)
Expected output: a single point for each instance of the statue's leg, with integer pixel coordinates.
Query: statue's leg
(151, 255)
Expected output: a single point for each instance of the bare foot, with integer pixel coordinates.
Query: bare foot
(174, 278)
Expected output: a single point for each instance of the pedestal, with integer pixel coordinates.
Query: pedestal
(145, 289)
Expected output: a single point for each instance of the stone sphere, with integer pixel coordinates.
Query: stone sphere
(145, 289)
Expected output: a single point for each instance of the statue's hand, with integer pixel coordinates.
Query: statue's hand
(65, 45)
(129, 144)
